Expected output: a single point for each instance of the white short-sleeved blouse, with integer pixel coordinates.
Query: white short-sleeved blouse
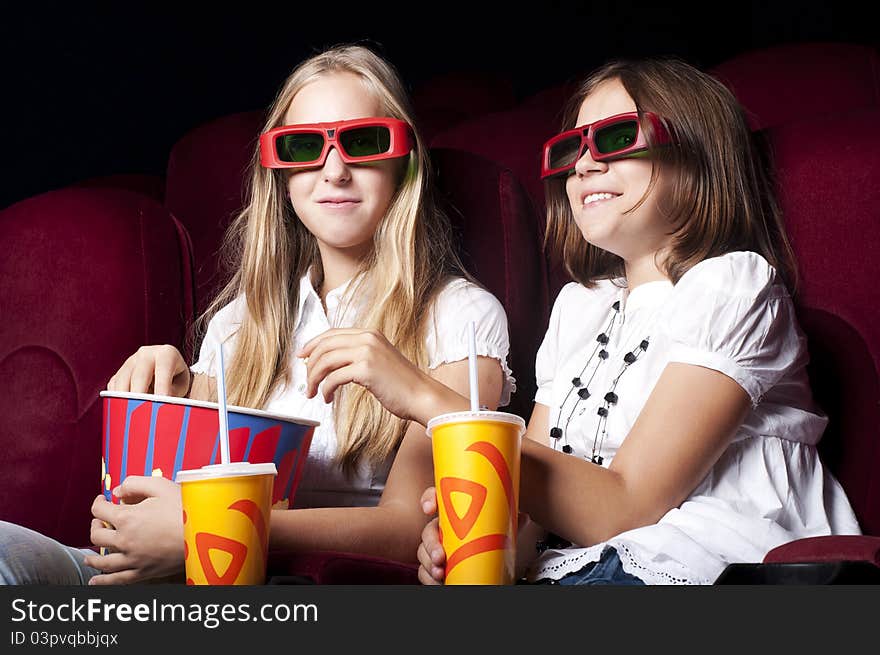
(730, 314)
(323, 484)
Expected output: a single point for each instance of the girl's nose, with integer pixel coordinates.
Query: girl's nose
(586, 164)
(335, 170)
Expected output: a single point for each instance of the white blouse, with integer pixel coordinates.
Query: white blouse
(323, 483)
(731, 314)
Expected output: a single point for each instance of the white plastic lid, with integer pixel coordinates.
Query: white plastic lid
(231, 470)
(457, 417)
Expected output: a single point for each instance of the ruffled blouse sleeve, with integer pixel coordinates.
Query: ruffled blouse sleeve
(733, 314)
(459, 303)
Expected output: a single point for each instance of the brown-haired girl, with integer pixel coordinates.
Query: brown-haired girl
(674, 430)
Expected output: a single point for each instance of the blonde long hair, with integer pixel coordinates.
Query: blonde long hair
(722, 191)
(270, 250)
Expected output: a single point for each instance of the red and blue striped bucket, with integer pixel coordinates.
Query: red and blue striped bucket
(145, 434)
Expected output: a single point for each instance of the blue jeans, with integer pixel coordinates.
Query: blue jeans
(608, 570)
(27, 557)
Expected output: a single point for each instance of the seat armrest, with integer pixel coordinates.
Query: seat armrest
(328, 567)
(839, 559)
(801, 573)
(855, 548)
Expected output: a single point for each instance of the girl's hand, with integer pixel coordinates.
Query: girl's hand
(432, 558)
(153, 369)
(145, 534)
(365, 357)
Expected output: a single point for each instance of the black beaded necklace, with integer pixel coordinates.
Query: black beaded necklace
(551, 540)
(582, 390)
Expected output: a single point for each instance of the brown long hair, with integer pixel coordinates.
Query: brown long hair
(412, 256)
(721, 189)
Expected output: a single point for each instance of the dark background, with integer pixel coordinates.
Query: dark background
(105, 89)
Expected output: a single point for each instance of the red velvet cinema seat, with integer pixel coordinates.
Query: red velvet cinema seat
(205, 186)
(513, 139)
(500, 244)
(87, 276)
(148, 185)
(792, 81)
(829, 181)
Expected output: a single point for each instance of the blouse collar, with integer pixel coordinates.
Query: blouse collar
(308, 294)
(646, 295)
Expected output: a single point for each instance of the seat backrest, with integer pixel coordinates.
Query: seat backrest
(87, 276)
(501, 247)
(793, 81)
(148, 185)
(829, 186)
(205, 187)
(513, 140)
(448, 99)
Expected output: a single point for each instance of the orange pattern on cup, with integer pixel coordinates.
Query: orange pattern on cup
(230, 541)
(476, 468)
(463, 525)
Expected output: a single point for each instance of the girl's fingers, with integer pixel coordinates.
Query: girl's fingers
(338, 378)
(105, 510)
(335, 338)
(102, 536)
(425, 578)
(150, 367)
(105, 537)
(127, 576)
(136, 488)
(431, 543)
(333, 343)
(423, 557)
(430, 563)
(142, 376)
(309, 347)
(121, 381)
(108, 563)
(163, 377)
(323, 364)
(168, 365)
(428, 501)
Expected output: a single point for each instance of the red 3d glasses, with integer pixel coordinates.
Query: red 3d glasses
(357, 141)
(615, 137)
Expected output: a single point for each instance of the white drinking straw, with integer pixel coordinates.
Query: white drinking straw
(221, 400)
(472, 367)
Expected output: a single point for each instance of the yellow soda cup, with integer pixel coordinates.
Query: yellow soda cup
(476, 474)
(226, 522)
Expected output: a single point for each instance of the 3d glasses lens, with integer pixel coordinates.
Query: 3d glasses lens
(616, 137)
(564, 153)
(299, 148)
(366, 141)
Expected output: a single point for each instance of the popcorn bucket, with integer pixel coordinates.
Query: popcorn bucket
(146, 434)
